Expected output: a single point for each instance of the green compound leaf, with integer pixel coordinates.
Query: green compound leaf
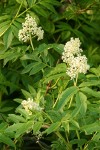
(90, 92)
(6, 140)
(4, 27)
(54, 73)
(81, 105)
(40, 11)
(65, 97)
(96, 137)
(37, 126)
(81, 101)
(24, 128)
(57, 76)
(53, 127)
(8, 37)
(48, 6)
(24, 2)
(60, 68)
(3, 126)
(26, 94)
(75, 123)
(14, 127)
(33, 68)
(37, 67)
(90, 83)
(90, 128)
(53, 2)
(4, 17)
(16, 118)
(27, 68)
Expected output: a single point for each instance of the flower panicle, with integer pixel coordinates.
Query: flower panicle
(29, 28)
(29, 105)
(73, 58)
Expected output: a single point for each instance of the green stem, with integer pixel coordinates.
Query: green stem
(45, 114)
(75, 81)
(86, 145)
(27, 9)
(62, 138)
(31, 43)
(78, 136)
(18, 10)
(24, 12)
(16, 16)
(42, 147)
(66, 136)
(70, 102)
(55, 102)
(77, 133)
(55, 83)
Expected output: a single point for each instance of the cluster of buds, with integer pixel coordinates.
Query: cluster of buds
(29, 28)
(73, 58)
(29, 105)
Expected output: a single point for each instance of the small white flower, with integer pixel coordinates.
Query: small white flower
(77, 65)
(29, 105)
(39, 33)
(67, 57)
(73, 58)
(71, 49)
(73, 46)
(29, 27)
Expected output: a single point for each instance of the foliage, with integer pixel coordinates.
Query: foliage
(70, 114)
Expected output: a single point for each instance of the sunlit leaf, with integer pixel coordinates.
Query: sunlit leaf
(65, 97)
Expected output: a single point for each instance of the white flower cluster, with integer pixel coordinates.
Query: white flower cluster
(30, 106)
(30, 28)
(72, 56)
